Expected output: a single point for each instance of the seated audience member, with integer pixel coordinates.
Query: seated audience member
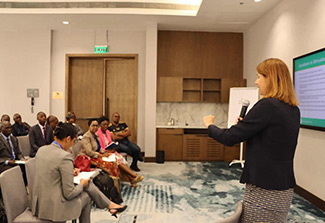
(54, 195)
(40, 134)
(52, 121)
(5, 118)
(9, 151)
(120, 133)
(90, 141)
(104, 140)
(20, 128)
(71, 118)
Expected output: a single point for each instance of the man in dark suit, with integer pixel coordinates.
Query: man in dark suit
(40, 134)
(9, 151)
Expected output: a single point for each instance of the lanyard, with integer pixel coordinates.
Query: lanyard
(55, 142)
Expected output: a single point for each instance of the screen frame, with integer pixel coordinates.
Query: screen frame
(293, 75)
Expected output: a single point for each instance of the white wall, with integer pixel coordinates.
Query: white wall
(36, 59)
(24, 63)
(151, 89)
(292, 28)
(82, 41)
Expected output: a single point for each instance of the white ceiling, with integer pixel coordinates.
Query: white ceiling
(213, 15)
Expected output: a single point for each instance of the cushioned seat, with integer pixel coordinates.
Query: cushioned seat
(27, 217)
(15, 197)
(24, 145)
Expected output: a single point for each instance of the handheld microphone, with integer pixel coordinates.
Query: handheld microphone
(243, 111)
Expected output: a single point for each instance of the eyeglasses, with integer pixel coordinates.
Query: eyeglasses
(93, 125)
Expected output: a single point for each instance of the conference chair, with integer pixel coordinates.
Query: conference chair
(15, 197)
(24, 145)
(75, 149)
(236, 216)
(30, 173)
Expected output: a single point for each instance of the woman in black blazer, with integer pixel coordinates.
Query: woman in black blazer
(270, 130)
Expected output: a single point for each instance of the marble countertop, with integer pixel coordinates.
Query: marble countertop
(181, 126)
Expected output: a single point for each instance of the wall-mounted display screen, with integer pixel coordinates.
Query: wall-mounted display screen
(309, 82)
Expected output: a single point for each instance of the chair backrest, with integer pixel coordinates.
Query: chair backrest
(24, 145)
(30, 173)
(236, 216)
(13, 192)
(76, 149)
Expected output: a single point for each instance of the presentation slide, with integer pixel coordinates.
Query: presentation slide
(309, 81)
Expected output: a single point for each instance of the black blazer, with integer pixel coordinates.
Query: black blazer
(271, 131)
(36, 138)
(5, 152)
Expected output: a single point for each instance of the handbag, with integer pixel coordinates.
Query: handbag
(82, 162)
(107, 185)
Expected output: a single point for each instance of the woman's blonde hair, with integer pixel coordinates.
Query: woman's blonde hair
(280, 85)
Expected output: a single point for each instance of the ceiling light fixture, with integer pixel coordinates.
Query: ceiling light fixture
(257, 0)
(66, 22)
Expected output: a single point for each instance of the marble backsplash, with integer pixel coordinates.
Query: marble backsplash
(191, 113)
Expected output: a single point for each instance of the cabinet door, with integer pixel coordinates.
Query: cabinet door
(226, 84)
(193, 147)
(232, 153)
(170, 89)
(171, 141)
(213, 150)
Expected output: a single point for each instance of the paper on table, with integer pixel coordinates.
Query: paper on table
(111, 158)
(83, 175)
(20, 162)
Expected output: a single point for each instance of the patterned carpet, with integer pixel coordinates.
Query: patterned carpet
(191, 192)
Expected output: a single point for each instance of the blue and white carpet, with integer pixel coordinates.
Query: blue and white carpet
(191, 192)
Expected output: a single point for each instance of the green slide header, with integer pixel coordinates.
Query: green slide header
(314, 60)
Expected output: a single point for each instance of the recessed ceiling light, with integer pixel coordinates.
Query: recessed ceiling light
(66, 22)
(257, 0)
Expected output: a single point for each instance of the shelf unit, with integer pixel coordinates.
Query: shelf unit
(211, 90)
(192, 89)
(202, 90)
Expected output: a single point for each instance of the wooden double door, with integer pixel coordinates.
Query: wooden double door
(99, 85)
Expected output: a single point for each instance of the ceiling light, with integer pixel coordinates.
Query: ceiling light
(257, 0)
(66, 22)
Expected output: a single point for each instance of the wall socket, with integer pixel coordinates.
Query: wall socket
(32, 93)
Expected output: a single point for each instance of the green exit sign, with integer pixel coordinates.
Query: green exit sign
(101, 49)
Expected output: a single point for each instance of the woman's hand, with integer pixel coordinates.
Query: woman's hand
(238, 119)
(84, 182)
(76, 171)
(208, 120)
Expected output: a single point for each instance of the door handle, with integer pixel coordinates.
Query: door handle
(107, 107)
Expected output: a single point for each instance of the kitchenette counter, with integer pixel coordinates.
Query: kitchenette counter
(181, 126)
